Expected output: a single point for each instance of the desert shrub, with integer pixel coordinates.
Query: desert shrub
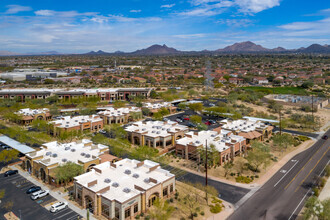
(243, 179)
(216, 208)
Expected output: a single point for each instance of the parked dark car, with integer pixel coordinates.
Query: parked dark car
(191, 125)
(10, 172)
(325, 137)
(33, 189)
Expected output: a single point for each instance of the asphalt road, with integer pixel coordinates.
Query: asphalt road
(284, 195)
(15, 187)
(308, 134)
(227, 192)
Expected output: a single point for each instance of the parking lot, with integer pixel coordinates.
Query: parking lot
(189, 113)
(23, 206)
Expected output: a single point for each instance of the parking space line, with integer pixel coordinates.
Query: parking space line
(26, 187)
(64, 215)
(61, 211)
(48, 201)
(73, 217)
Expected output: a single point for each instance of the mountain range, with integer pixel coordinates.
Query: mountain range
(237, 48)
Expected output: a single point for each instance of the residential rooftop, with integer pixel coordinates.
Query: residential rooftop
(123, 180)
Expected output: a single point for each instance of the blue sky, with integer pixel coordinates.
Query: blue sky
(77, 26)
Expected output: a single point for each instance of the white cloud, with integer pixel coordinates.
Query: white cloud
(13, 9)
(135, 11)
(214, 7)
(255, 6)
(167, 6)
(67, 14)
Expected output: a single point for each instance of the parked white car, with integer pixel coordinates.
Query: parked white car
(58, 206)
(39, 194)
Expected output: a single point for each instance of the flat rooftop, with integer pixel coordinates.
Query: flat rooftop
(156, 128)
(219, 140)
(15, 144)
(122, 177)
(110, 111)
(54, 152)
(242, 125)
(32, 112)
(68, 121)
(157, 105)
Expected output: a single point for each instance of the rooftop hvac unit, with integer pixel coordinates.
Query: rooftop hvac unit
(73, 150)
(127, 171)
(48, 153)
(158, 132)
(87, 155)
(126, 190)
(64, 160)
(83, 154)
(54, 155)
(115, 184)
(107, 180)
(135, 175)
(146, 180)
(67, 148)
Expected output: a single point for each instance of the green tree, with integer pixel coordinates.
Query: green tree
(196, 119)
(228, 167)
(40, 125)
(8, 155)
(119, 104)
(144, 152)
(158, 116)
(66, 172)
(314, 208)
(258, 156)
(196, 107)
(161, 210)
(282, 141)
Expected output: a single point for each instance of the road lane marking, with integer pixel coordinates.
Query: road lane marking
(303, 167)
(73, 217)
(324, 168)
(299, 204)
(312, 169)
(286, 173)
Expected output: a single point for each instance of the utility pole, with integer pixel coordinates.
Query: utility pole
(206, 170)
(313, 110)
(279, 112)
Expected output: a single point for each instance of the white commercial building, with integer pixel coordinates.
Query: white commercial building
(156, 133)
(123, 189)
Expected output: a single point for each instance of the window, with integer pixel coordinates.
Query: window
(117, 213)
(128, 212)
(165, 192)
(136, 208)
(171, 188)
(105, 210)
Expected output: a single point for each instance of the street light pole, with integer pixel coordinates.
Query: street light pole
(206, 169)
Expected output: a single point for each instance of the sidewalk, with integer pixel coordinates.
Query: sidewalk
(57, 195)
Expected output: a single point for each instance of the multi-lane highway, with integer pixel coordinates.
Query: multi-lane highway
(284, 195)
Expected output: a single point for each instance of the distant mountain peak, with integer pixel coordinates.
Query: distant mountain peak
(99, 52)
(246, 46)
(157, 49)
